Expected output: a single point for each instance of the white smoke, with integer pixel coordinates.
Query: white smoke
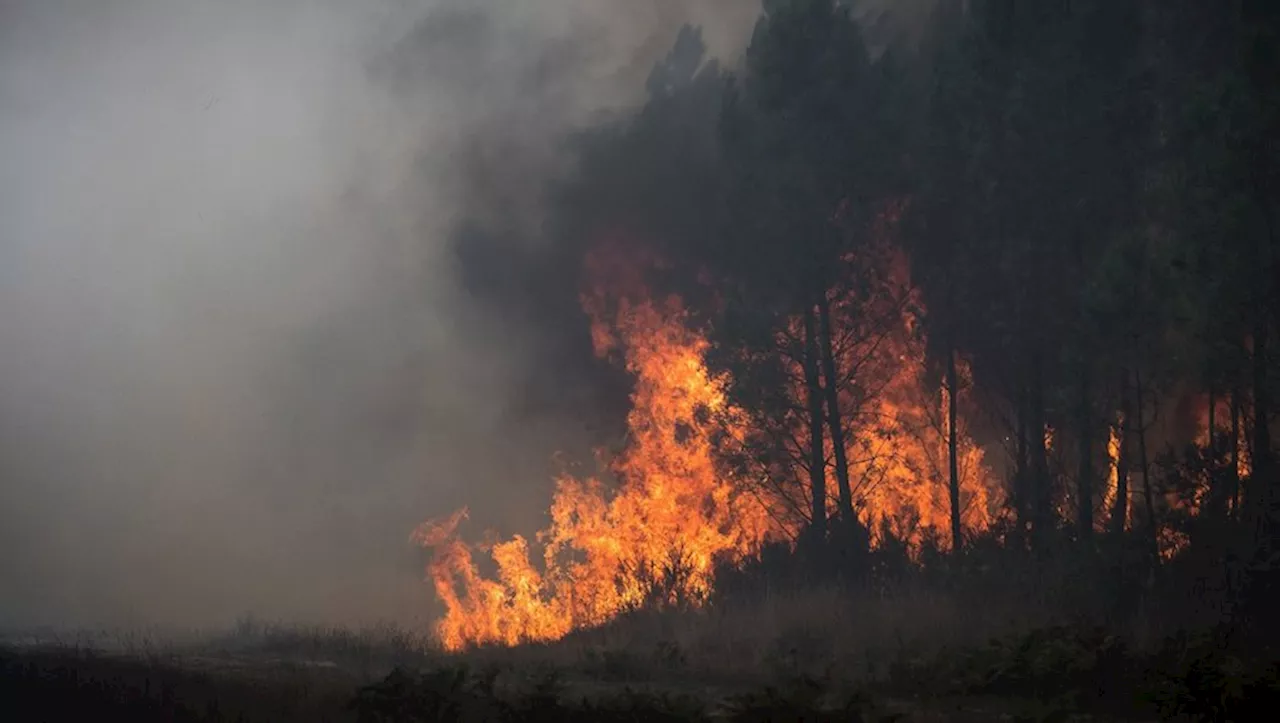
(237, 366)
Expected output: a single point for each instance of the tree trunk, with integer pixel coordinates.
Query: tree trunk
(1264, 577)
(1219, 494)
(1258, 501)
(1212, 443)
(1120, 505)
(1022, 471)
(1235, 453)
(856, 539)
(953, 391)
(1084, 481)
(1041, 495)
(834, 421)
(1148, 498)
(817, 459)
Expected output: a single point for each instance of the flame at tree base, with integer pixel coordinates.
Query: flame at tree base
(657, 539)
(678, 509)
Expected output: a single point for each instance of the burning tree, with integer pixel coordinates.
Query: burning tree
(656, 535)
(809, 364)
(677, 507)
(880, 258)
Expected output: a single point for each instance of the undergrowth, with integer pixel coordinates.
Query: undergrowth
(1186, 677)
(1055, 673)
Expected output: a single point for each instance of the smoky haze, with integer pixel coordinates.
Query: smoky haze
(238, 363)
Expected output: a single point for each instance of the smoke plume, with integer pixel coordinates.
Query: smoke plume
(239, 364)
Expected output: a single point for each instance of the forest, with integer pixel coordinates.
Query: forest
(981, 310)
(947, 377)
(988, 303)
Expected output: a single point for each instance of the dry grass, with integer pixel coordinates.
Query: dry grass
(824, 632)
(379, 646)
(916, 652)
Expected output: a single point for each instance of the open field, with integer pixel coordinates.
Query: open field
(804, 657)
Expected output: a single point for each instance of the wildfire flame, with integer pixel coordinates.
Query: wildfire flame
(674, 515)
(1171, 541)
(674, 510)
(1222, 428)
(899, 451)
(1114, 441)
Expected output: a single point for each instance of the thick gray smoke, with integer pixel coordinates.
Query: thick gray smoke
(236, 363)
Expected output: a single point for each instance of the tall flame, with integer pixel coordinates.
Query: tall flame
(899, 450)
(657, 537)
(674, 509)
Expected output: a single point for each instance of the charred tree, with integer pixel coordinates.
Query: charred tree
(1022, 469)
(854, 538)
(1234, 476)
(953, 391)
(1212, 424)
(1120, 505)
(1084, 481)
(817, 459)
(1148, 497)
(832, 396)
(1041, 492)
(1219, 498)
(1257, 502)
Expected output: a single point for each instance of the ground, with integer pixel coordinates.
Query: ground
(281, 674)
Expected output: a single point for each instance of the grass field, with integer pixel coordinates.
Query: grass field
(814, 656)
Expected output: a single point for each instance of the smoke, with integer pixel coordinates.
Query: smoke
(238, 361)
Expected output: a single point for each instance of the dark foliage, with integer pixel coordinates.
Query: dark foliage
(66, 685)
(454, 694)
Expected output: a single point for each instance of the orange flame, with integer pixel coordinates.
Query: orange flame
(657, 538)
(1114, 440)
(1172, 541)
(1222, 426)
(900, 451)
(676, 509)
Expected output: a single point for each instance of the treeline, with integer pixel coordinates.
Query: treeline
(1086, 194)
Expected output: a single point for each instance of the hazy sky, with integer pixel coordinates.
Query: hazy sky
(237, 366)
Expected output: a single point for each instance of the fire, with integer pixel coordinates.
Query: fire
(656, 538)
(1114, 441)
(899, 454)
(1222, 428)
(1173, 541)
(895, 420)
(674, 508)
